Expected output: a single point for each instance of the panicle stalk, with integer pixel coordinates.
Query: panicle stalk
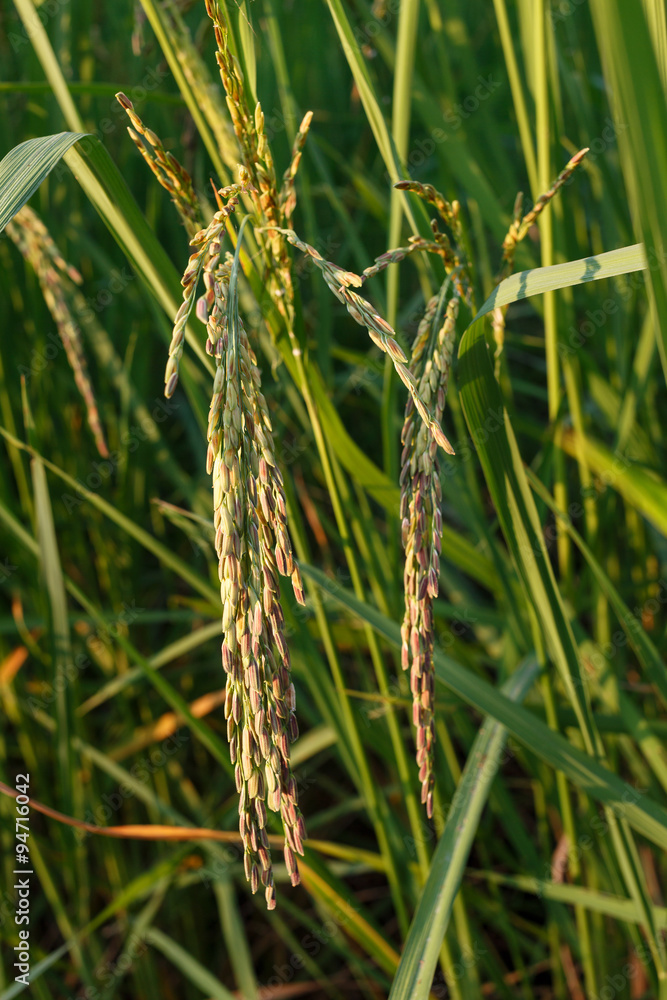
(517, 231)
(272, 207)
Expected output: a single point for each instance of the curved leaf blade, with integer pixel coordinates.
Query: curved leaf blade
(25, 167)
(538, 280)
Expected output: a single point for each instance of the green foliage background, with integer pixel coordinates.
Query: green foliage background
(546, 877)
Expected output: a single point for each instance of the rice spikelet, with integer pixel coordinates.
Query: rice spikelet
(520, 226)
(272, 207)
(173, 177)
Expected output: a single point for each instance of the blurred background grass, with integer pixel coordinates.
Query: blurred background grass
(499, 99)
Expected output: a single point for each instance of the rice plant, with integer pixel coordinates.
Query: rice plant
(371, 298)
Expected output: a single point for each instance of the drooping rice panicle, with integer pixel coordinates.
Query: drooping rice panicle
(520, 226)
(341, 283)
(440, 245)
(518, 230)
(254, 548)
(422, 527)
(270, 205)
(248, 126)
(204, 259)
(450, 249)
(280, 270)
(389, 257)
(173, 177)
(232, 81)
(32, 238)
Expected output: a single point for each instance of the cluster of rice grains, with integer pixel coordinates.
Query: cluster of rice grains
(251, 536)
(173, 177)
(420, 483)
(253, 548)
(252, 540)
(426, 377)
(421, 525)
(58, 281)
(342, 284)
(518, 230)
(272, 205)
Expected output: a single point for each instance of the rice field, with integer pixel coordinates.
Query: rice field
(333, 505)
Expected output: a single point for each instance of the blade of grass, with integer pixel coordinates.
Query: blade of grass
(612, 906)
(538, 280)
(36, 32)
(25, 166)
(429, 925)
(645, 815)
(629, 61)
(148, 542)
(347, 914)
(517, 514)
(408, 20)
(158, 21)
(640, 642)
(193, 971)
